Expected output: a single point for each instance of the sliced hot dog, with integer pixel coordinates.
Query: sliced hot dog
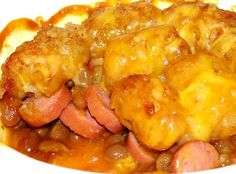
(81, 122)
(194, 156)
(40, 111)
(138, 152)
(98, 103)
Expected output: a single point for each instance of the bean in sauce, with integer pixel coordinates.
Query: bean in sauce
(162, 161)
(42, 132)
(59, 132)
(116, 151)
(78, 97)
(25, 140)
(52, 146)
(9, 111)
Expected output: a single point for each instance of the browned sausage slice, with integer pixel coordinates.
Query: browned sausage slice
(40, 111)
(81, 122)
(194, 156)
(138, 152)
(98, 104)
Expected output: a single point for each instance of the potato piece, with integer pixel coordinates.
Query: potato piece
(144, 52)
(42, 65)
(200, 24)
(148, 108)
(225, 48)
(207, 92)
(106, 23)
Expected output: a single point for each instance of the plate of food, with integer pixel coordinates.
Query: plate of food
(118, 87)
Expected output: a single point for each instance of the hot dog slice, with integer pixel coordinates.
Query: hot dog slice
(40, 111)
(194, 156)
(138, 152)
(81, 122)
(98, 103)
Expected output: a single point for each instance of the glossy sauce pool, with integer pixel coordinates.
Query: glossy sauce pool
(83, 154)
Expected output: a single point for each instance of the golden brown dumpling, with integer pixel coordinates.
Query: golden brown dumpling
(225, 48)
(144, 52)
(200, 24)
(148, 108)
(42, 65)
(106, 23)
(207, 92)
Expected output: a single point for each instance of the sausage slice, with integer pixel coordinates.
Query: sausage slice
(98, 104)
(81, 122)
(194, 156)
(40, 111)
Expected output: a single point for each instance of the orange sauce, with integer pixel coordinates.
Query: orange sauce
(77, 10)
(86, 155)
(23, 23)
(83, 154)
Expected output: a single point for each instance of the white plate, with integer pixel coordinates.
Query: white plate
(12, 161)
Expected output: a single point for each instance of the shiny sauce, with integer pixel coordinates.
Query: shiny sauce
(70, 150)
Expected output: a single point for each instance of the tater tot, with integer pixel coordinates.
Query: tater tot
(200, 24)
(42, 65)
(106, 23)
(148, 108)
(207, 91)
(143, 52)
(225, 48)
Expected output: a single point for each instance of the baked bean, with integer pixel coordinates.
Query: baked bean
(74, 137)
(78, 97)
(224, 146)
(116, 151)
(21, 124)
(233, 140)
(25, 140)
(52, 146)
(70, 84)
(225, 149)
(10, 116)
(107, 134)
(233, 158)
(162, 161)
(42, 132)
(115, 138)
(224, 159)
(59, 132)
(9, 111)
